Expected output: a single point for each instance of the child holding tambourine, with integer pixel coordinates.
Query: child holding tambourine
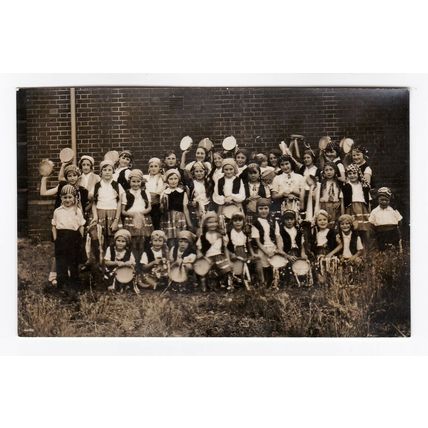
(118, 255)
(212, 246)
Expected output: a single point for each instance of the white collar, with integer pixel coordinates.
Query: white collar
(168, 190)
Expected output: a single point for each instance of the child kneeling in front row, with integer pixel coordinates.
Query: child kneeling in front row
(267, 241)
(154, 262)
(119, 255)
(67, 232)
(184, 253)
(349, 245)
(212, 245)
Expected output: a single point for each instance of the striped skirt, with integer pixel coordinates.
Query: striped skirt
(139, 226)
(173, 222)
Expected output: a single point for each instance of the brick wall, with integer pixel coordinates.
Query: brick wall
(149, 121)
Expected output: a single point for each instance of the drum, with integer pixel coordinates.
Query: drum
(185, 143)
(177, 273)
(46, 167)
(206, 143)
(278, 261)
(66, 155)
(202, 266)
(229, 210)
(301, 267)
(124, 274)
(324, 141)
(112, 155)
(229, 143)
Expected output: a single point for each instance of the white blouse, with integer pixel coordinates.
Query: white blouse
(288, 183)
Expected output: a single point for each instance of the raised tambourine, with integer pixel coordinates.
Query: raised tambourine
(185, 143)
(206, 143)
(324, 141)
(346, 145)
(66, 155)
(229, 143)
(46, 167)
(112, 155)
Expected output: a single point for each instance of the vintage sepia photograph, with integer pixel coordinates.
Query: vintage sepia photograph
(179, 211)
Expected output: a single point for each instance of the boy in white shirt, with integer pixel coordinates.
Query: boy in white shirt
(386, 221)
(67, 232)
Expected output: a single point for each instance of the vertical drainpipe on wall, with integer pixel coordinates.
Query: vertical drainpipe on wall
(73, 122)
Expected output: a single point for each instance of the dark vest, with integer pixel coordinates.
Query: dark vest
(175, 201)
(259, 227)
(122, 179)
(261, 192)
(115, 186)
(331, 240)
(130, 199)
(186, 252)
(347, 194)
(205, 243)
(113, 254)
(230, 245)
(235, 187)
(353, 243)
(363, 167)
(286, 239)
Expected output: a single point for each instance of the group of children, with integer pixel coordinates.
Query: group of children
(218, 220)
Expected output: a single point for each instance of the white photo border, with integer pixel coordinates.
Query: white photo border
(11, 344)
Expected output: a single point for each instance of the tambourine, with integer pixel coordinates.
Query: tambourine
(66, 155)
(207, 144)
(177, 273)
(301, 267)
(324, 142)
(124, 274)
(277, 261)
(185, 143)
(46, 167)
(202, 266)
(229, 143)
(346, 145)
(229, 210)
(112, 155)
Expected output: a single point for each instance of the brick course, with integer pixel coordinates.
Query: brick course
(150, 121)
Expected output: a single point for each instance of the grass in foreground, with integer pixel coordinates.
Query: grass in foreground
(378, 305)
